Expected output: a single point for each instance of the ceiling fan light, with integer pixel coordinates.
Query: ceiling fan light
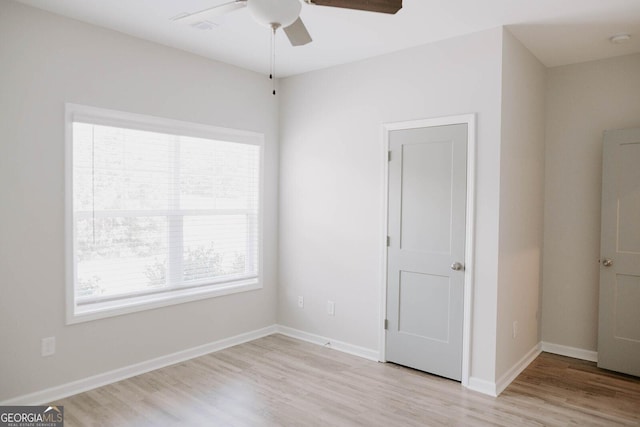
(280, 12)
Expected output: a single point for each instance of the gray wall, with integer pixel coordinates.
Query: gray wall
(583, 100)
(46, 61)
(521, 203)
(332, 177)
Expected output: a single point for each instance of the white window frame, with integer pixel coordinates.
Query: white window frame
(144, 301)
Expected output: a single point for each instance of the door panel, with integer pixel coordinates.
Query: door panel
(426, 175)
(419, 315)
(427, 214)
(627, 295)
(629, 198)
(619, 316)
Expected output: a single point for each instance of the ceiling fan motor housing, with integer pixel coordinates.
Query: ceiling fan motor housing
(279, 12)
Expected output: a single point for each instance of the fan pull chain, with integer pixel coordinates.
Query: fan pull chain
(272, 74)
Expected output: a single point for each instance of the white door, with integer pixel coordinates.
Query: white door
(619, 319)
(425, 282)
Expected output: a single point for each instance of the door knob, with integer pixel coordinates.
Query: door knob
(607, 262)
(456, 266)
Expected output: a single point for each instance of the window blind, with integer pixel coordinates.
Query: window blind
(158, 212)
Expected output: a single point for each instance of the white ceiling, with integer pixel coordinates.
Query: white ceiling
(557, 31)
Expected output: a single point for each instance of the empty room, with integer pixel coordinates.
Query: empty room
(319, 212)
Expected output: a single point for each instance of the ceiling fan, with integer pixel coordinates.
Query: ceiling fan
(286, 13)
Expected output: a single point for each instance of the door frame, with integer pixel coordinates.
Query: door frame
(470, 121)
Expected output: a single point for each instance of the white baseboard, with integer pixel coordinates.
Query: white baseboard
(344, 347)
(516, 369)
(576, 353)
(59, 392)
(494, 389)
(85, 384)
(69, 389)
(482, 386)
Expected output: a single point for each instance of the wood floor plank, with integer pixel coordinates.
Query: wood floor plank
(280, 381)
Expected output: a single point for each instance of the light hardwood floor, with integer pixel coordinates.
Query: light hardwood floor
(279, 381)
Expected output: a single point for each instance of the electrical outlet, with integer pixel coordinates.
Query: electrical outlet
(331, 308)
(515, 328)
(301, 302)
(48, 346)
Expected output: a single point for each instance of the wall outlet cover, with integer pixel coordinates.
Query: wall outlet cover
(48, 346)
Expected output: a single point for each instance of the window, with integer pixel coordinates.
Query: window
(158, 212)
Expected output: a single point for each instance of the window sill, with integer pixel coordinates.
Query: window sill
(100, 310)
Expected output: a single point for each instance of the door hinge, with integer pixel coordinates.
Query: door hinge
(386, 324)
(388, 156)
(388, 241)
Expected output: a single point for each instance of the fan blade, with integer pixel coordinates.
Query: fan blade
(382, 6)
(212, 12)
(297, 33)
